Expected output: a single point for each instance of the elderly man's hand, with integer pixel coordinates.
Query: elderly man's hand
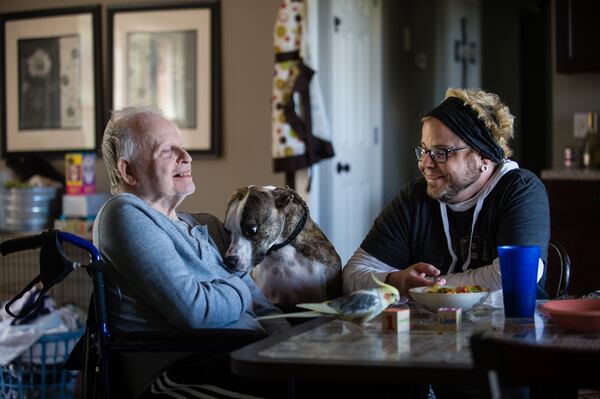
(417, 275)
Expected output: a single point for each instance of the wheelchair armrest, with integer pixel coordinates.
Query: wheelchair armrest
(200, 340)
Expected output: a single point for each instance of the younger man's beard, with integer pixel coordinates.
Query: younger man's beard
(456, 185)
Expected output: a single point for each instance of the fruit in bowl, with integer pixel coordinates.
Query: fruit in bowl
(449, 296)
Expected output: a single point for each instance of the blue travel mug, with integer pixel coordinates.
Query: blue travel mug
(518, 267)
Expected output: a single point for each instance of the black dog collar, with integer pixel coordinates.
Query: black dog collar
(297, 230)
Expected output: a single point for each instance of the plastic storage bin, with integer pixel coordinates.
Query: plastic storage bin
(39, 373)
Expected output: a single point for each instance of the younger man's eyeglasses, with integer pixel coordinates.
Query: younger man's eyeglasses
(438, 155)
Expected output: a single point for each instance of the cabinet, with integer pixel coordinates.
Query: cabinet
(577, 44)
(575, 222)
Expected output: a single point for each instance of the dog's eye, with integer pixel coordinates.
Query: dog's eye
(250, 230)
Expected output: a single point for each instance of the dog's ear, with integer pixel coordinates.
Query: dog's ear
(283, 197)
(238, 195)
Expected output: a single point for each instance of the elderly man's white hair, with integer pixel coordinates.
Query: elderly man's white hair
(118, 141)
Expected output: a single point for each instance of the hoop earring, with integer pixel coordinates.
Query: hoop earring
(484, 168)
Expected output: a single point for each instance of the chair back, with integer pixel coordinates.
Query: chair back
(216, 230)
(558, 270)
(503, 367)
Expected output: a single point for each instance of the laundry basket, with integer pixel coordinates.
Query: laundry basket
(39, 373)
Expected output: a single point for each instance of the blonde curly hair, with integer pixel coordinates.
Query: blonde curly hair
(495, 115)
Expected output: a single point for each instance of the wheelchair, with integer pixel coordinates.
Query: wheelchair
(99, 351)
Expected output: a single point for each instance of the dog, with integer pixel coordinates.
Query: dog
(273, 236)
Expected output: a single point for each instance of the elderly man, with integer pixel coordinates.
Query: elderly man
(471, 198)
(163, 270)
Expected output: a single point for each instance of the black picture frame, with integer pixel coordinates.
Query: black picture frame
(50, 70)
(168, 57)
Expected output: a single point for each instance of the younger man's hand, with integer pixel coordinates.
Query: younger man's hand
(417, 275)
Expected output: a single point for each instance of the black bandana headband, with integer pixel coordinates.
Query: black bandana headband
(463, 121)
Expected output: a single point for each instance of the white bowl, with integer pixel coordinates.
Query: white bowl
(434, 301)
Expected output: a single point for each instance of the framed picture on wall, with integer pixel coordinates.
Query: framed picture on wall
(168, 58)
(50, 80)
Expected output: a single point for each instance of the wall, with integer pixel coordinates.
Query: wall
(407, 89)
(570, 94)
(415, 76)
(501, 74)
(406, 92)
(395, 68)
(247, 65)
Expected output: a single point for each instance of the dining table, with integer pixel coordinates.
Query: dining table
(332, 349)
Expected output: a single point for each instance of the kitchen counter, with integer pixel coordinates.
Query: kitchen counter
(571, 174)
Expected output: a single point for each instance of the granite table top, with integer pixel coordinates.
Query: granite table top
(328, 343)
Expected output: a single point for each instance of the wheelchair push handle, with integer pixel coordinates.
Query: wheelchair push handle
(35, 241)
(21, 244)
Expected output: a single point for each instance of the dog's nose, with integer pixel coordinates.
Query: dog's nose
(231, 261)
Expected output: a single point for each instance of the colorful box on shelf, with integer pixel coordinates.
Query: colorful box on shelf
(83, 206)
(80, 227)
(80, 175)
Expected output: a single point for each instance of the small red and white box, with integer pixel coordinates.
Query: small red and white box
(449, 319)
(395, 319)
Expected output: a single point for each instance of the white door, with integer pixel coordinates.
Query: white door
(355, 188)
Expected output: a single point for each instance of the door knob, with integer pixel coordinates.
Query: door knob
(343, 168)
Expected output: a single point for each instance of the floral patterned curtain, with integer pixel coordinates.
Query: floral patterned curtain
(299, 125)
